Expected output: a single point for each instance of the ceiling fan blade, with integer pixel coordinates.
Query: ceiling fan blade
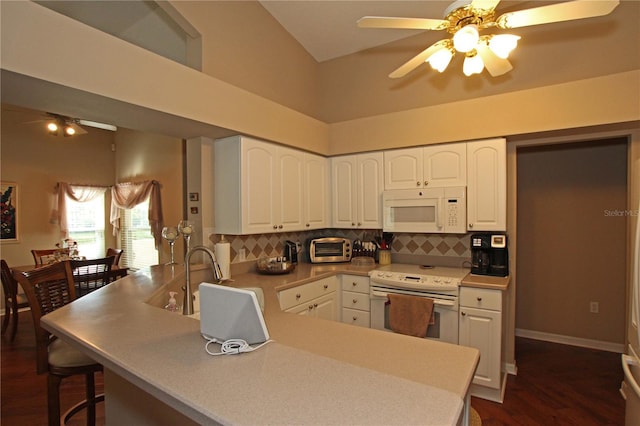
(578, 9)
(97, 125)
(419, 59)
(484, 5)
(494, 64)
(402, 23)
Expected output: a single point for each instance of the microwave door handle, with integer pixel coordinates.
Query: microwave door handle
(439, 214)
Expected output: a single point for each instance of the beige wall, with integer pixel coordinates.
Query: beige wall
(571, 245)
(145, 156)
(36, 161)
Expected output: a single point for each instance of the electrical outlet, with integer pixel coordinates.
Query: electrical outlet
(594, 307)
(242, 254)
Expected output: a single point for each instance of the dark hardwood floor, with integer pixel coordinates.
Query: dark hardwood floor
(556, 385)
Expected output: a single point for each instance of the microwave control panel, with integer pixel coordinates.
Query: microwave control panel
(455, 216)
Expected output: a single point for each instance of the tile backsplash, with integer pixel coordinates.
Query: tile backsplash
(269, 245)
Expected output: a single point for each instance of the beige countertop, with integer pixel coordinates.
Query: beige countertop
(334, 373)
(486, 281)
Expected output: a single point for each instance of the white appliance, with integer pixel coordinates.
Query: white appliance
(631, 362)
(427, 210)
(442, 284)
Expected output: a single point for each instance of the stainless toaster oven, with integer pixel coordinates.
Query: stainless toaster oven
(329, 250)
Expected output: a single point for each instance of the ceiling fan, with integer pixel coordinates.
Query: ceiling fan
(465, 19)
(62, 125)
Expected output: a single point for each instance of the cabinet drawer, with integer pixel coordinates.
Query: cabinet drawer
(355, 317)
(353, 300)
(303, 293)
(355, 283)
(481, 298)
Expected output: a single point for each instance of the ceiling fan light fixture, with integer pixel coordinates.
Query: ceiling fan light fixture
(52, 127)
(439, 61)
(472, 64)
(466, 38)
(503, 44)
(69, 131)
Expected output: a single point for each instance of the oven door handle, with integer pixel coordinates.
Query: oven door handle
(440, 302)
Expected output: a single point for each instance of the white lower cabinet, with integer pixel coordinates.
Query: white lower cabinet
(355, 300)
(481, 328)
(318, 299)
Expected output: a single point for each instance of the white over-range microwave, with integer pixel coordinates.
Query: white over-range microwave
(427, 210)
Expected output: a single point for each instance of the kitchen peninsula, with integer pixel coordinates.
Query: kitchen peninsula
(314, 371)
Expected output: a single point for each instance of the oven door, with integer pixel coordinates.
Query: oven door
(445, 307)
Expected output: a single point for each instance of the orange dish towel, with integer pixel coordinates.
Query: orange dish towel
(410, 315)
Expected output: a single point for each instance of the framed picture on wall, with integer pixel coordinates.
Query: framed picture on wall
(9, 212)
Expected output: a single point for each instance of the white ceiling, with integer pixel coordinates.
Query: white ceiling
(327, 28)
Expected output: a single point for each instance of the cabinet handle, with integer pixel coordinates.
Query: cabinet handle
(479, 299)
(418, 183)
(275, 226)
(359, 224)
(426, 183)
(315, 305)
(471, 225)
(354, 283)
(307, 225)
(326, 286)
(355, 301)
(353, 224)
(355, 318)
(463, 313)
(280, 227)
(298, 296)
(310, 307)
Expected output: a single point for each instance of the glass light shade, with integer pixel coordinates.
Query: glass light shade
(53, 127)
(466, 38)
(472, 65)
(69, 131)
(439, 61)
(501, 45)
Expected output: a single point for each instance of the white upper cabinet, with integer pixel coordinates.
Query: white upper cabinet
(317, 202)
(258, 187)
(487, 185)
(357, 183)
(429, 166)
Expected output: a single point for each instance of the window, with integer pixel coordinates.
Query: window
(86, 226)
(135, 238)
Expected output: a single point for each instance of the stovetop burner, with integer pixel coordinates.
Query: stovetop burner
(415, 277)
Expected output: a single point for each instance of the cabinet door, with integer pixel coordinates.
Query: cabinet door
(481, 329)
(445, 165)
(289, 180)
(343, 183)
(487, 185)
(326, 307)
(403, 168)
(316, 192)
(259, 189)
(370, 184)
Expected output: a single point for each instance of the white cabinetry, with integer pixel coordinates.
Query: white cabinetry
(432, 166)
(357, 183)
(481, 328)
(258, 187)
(317, 203)
(355, 300)
(487, 185)
(318, 299)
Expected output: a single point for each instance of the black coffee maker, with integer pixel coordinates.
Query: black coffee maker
(489, 254)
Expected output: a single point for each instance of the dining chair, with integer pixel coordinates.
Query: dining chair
(114, 252)
(13, 301)
(47, 289)
(91, 274)
(47, 256)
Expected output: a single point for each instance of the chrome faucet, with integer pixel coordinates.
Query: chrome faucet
(187, 305)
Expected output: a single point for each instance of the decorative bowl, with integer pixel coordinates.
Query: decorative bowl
(274, 265)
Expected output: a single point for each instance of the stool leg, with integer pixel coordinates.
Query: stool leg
(14, 324)
(7, 316)
(53, 399)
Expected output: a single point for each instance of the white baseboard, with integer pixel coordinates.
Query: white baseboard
(573, 341)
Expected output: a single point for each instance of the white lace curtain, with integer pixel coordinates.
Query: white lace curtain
(78, 193)
(130, 194)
